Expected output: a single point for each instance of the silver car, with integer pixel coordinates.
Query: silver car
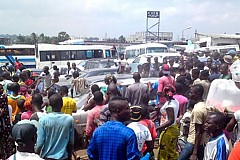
(80, 117)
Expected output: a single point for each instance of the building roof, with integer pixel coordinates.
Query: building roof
(231, 36)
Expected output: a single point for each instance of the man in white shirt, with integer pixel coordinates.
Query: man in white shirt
(74, 68)
(142, 132)
(25, 136)
(47, 78)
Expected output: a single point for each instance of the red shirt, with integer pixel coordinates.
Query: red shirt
(165, 81)
(150, 125)
(162, 82)
(29, 82)
(18, 65)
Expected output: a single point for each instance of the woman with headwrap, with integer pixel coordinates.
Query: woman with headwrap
(5, 127)
(168, 127)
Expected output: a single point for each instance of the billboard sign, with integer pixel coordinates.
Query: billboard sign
(153, 14)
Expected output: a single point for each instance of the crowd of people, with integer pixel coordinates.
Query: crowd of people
(36, 113)
(180, 119)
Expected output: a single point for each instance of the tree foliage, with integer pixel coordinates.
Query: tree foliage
(34, 38)
(122, 39)
(63, 36)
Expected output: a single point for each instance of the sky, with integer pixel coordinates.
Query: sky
(113, 18)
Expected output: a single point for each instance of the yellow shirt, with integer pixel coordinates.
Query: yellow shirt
(198, 116)
(12, 100)
(69, 105)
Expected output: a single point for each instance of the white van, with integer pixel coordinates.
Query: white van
(141, 59)
(133, 51)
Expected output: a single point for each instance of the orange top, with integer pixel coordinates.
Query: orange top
(12, 100)
(234, 155)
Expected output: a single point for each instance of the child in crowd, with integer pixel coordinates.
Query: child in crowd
(144, 120)
(69, 104)
(184, 130)
(217, 147)
(28, 107)
(48, 108)
(12, 99)
(20, 104)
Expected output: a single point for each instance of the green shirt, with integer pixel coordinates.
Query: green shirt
(224, 77)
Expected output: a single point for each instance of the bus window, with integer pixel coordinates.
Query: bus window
(73, 55)
(142, 51)
(10, 52)
(2, 51)
(48, 57)
(98, 54)
(55, 56)
(107, 53)
(81, 55)
(156, 49)
(65, 55)
(43, 56)
(89, 54)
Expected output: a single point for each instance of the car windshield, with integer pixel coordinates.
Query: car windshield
(131, 54)
(105, 64)
(82, 63)
(82, 74)
(156, 49)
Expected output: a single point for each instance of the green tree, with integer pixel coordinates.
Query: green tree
(122, 39)
(41, 38)
(63, 36)
(34, 38)
(21, 39)
(54, 40)
(47, 39)
(28, 40)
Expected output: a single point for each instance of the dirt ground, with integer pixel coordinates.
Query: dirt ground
(83, 154)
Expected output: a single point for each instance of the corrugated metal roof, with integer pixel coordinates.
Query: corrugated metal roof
(233, 36)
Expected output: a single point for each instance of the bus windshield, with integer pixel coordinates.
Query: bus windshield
(156, 49)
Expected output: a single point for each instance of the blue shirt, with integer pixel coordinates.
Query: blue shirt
(58, 131)
(217, 148)
(113, 140)
(155, 87)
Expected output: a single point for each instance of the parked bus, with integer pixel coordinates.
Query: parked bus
(49, 54)
(24, 53)
(135, 50)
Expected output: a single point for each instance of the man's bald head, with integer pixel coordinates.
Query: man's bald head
(136, 76)
(56, 102)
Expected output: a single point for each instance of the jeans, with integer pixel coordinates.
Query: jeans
(187, 152)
